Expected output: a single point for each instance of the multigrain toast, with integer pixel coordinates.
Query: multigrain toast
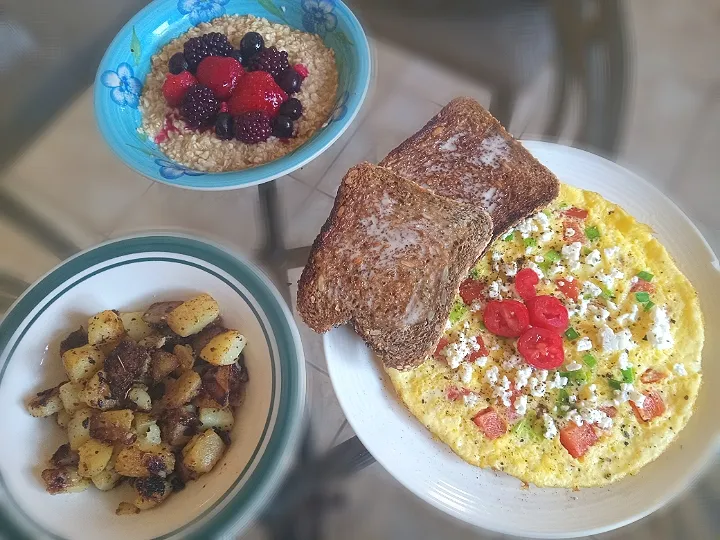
(389, 259)
(465, 154)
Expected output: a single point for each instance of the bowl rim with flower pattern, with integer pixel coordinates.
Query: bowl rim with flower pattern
(127, 62)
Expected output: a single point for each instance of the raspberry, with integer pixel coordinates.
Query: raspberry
(200, 106)
(257, 92)
(212, 44)
(301, 70)
(270, 60)
(176, 86)
(220, 74)
(253, 127)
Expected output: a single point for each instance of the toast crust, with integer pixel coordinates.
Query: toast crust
(389, 260)
(464, 153)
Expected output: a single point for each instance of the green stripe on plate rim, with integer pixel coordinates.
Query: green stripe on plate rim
(289, 412)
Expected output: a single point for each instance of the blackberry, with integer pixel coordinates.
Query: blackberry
(212, 44)
(282, 127)
(292, 108)
(200, 106)
(224, 126)
(253, 127)
(177, 63)
(289, 81)
(270, 60)
(251, 44)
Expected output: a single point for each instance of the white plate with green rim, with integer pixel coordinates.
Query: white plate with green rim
(130, 274)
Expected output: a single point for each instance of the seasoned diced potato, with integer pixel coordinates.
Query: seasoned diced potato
(105, 330)
(157, 313)
(224, 349)
(203, 451)
(147, 431)
(63, 417)
(192, 316)
(65, 457)
(139, 396)
(137, 463)
(78, 428)
(135, 326)
(216, 418)
(151, 492)
(162, 364)
(97, 393)
(106, 479)
(71, 396)
(154, 341)
(113, 426)
(186, 356)
(182, 390)
(82, 363)
(46, 403)
(64, 480)
(94, 456)
(126, 509)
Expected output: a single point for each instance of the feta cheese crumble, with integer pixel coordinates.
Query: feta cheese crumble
(679, 369)
(466, 372)
(615, 342)
(584, 344)
(521, 405)
(550, 428)
(573, 366)
(590, 288)
(572, 254)
(660, 336)
(593, 258)
(558, 381)
(491, 375)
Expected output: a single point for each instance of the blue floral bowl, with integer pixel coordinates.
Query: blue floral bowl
(120, 76)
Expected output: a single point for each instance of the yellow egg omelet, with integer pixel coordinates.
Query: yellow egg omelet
(632, 352)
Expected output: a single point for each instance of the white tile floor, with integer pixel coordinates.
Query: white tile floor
(672, 136)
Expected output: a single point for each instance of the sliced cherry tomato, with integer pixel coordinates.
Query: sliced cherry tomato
(652, 375)
(609, 410)
(569, 288)
(440, 346)
(652, 406)
(643, 286)
(577, 439)
(548, 312)
(573, 231)
(470, 290)
(541, 348)
(507, 318)
(490, 423)
(482, 351)
(577, 213)
(525, 282)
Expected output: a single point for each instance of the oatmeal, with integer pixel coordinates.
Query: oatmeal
(202, 149)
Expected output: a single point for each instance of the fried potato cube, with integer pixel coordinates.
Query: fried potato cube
(186, 357)
(140, 398)
(63, 417)
(202, 452)
(113, 426)
(137, 463)
(162, 364)
(147, 432)
(71, 396)
(151, 492)
(78, 428)
(82, 363)
(157, 313)
(224, 349)
(126, 509)
(64, 480)
(135, 325)
(105, 330)
(106, 479)
(94, 456)
(97, 393)
(192, 316)
(221, 419)
(183, 390)
(46, 403)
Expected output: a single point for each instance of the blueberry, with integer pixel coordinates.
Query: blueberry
(251, 44)
(289, 81)
(292, 108)
(237, 55)
(224, 126)
(177, 63)
(282, 127)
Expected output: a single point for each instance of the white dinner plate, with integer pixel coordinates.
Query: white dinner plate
(495, 500)
(129, 274)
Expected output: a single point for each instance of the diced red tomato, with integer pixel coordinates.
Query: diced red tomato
(541, 348)
(490, 423)
(454, 393)
(569, 288)
(440, 346)
(507, 318)
(548, 312)
(643, 286)
(652, 406)
(609, 410)
(652, 375)
(471, 289)
(482, 351)
(577, 439)
(525, 282)
(577, 213)
(576, 227)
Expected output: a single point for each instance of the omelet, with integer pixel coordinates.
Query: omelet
(629, 344)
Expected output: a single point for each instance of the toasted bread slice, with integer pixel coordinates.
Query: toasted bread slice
(465, 154)
(390, 259)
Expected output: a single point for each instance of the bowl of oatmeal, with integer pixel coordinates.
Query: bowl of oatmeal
(224, 94)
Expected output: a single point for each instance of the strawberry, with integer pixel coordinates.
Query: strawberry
(220, 74)
(176, 86)
(301, 70)
(257, 92)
